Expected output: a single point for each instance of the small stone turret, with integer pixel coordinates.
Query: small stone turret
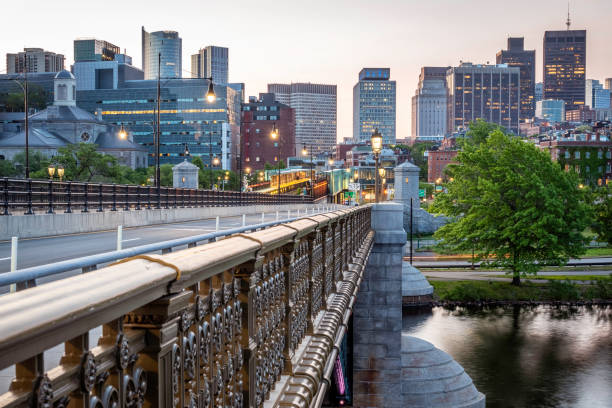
(407, 189)
(64, 85)
(185, 175)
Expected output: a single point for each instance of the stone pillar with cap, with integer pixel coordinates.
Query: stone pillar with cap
(185, 175)
(377, 319)
(407, 184)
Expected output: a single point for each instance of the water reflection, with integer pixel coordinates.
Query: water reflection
(527, 357)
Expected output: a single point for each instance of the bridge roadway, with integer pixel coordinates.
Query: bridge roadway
(251, 320)
(41, 251)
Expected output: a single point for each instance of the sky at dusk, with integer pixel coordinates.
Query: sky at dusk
(319, 41)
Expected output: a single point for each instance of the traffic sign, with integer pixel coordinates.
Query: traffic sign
(421, 192)
(354, 186)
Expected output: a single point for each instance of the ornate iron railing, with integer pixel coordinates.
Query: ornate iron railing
(46, 196)
(210, 326)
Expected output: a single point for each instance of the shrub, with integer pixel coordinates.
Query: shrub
(563, 290)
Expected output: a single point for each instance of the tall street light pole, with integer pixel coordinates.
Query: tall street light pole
(305, 152)
(210, 98)
(158, 133)
(376, 141)
(275, 136)
(24, 88)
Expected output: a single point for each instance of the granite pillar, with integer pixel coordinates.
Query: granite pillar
(377, 319)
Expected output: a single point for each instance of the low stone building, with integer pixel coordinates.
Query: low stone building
(62, 124)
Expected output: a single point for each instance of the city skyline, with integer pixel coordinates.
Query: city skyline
(296, 56)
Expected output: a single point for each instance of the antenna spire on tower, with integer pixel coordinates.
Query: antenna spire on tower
(568, 22)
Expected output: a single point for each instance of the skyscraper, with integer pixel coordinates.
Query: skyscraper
(517, 56)
(608, 83)
(91, 49)
(35, 59)
(489, 92)
(429, 103)
(211, 61)
(565, 66)
(315, 108)
(374, 105)
(168, 44)
(596, 97)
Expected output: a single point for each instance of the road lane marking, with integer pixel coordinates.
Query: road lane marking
(131, 239)
(4, 259)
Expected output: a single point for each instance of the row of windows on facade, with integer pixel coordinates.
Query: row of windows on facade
(257, 159)
(261, 108)
(587, 169)
(587, 155)
(162, 100)
(258, 144)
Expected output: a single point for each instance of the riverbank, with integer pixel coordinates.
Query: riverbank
(459, 292)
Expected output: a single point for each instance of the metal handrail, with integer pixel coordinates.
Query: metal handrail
(201, 325)
(91, 262)
(50, 196)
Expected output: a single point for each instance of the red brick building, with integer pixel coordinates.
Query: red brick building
(258, 118)
(582, 114)
(437, 161)
(588, 154)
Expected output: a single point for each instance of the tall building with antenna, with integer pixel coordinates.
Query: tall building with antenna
(565, 66)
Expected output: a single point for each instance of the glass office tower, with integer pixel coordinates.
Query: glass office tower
(211, 61)
(91, 49)
(489, 92)
(186, 118)
(565, 67)
(170, 46)
(374, 105)
(517, 56)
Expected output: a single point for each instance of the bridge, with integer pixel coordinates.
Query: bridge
(282, 316)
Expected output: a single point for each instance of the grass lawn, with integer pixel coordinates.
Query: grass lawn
(598, 252)
(490, 290)
(561, 277)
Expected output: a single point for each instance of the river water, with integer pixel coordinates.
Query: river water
(527, 356)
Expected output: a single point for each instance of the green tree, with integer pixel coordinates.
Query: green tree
(83, 162)
(513, 206)
(270, 166)
(602, 210)
(38, 163)
(479, 131)
(165, 171)
(13, 101)
(197, 161)
(7, 169)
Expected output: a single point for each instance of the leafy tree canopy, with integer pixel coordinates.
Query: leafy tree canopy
(275, 166)
(602, 224)
(13, 101)
(513, 206)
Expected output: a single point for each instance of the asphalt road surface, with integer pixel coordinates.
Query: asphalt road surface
(41, 251)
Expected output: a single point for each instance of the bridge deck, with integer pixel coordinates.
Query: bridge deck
(216, 325)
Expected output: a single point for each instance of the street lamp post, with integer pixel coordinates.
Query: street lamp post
(304, 152)
(275, 136)
(210, 98)
(24, 88)
(376, 141)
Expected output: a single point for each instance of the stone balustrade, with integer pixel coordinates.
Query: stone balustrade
(252, 320)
